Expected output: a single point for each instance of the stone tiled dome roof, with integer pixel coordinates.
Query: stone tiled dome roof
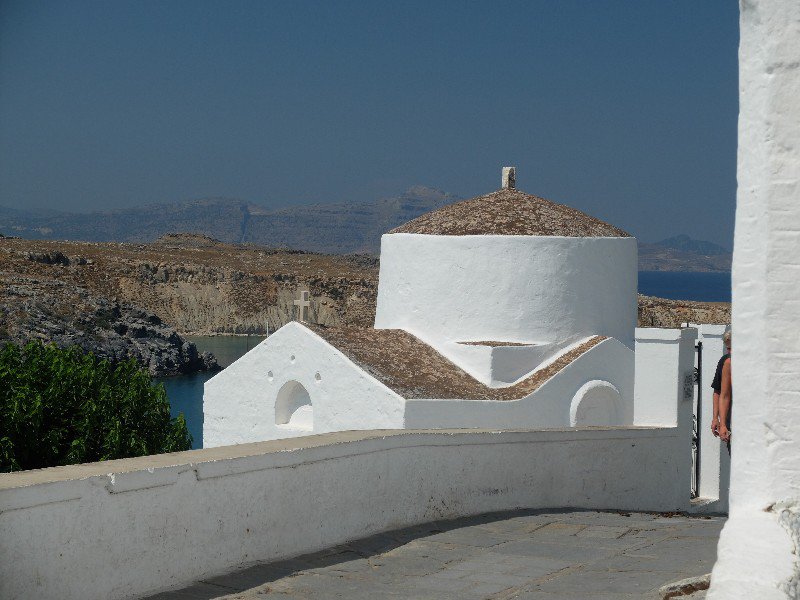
(509, 212)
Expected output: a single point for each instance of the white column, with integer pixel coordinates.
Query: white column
(664, 390)
(757, 550)
(664, 379)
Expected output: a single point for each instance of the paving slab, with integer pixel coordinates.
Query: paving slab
(609, 532)
(540, 555)
(574, 553)
(588, 583)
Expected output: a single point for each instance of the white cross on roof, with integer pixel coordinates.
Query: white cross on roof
(302, 304)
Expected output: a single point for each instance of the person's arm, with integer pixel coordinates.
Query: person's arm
(716, 385)
(725, 401)
(715, 416)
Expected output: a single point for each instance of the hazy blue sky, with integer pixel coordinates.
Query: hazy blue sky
(626, 110)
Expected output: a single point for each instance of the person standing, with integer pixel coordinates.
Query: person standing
(716, 384)
(723, 395)
(726, 404)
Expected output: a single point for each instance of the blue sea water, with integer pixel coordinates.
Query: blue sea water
(705, 287)
(185, 392)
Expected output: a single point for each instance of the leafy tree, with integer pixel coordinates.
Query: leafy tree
(61, 406)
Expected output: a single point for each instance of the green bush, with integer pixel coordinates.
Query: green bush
(60, 407)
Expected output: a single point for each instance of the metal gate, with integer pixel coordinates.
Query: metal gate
(697, 423)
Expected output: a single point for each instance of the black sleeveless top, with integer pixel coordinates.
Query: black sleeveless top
(717, 383)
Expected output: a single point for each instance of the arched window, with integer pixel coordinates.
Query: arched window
(293, 407)
(596, 403)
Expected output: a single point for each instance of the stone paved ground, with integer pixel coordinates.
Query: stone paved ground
(552, 555)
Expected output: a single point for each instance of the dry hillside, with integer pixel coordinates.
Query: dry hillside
(196, 284)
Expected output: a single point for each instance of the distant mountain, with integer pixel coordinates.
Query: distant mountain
(682, 253)
(218, 217)
(343, 228)
(331, 228)
(346, 227)
(683, 243)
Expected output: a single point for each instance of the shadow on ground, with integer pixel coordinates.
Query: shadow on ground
(547, 554)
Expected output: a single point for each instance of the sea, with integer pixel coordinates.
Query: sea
(705, 287)
(185, 392)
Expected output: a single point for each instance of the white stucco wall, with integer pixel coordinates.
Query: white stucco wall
(126, 528)
(759, 544)
(664, 387)
(239, 402)
(548, 406)
(507, 288)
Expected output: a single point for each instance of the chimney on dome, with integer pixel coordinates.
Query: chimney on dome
(509, 178)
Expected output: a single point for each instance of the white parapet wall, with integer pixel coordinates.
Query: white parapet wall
(126, 528)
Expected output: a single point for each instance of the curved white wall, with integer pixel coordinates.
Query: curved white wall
(126, 528)
(507, 288)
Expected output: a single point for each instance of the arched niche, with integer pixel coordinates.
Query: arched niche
(596, 403)
(293, 407)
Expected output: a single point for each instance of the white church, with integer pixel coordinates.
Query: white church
(505, 319)
(503, 311)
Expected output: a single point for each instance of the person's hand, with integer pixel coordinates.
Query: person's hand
(724, 432)
(715, 426)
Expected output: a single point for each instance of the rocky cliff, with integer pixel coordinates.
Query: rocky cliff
(105, 292)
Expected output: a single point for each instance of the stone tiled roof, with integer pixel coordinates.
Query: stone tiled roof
(411, 368)
(509, 212)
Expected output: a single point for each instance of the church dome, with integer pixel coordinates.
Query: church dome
(509, 212)
(507, 267)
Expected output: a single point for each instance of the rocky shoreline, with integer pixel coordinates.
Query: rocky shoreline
(33, 309)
